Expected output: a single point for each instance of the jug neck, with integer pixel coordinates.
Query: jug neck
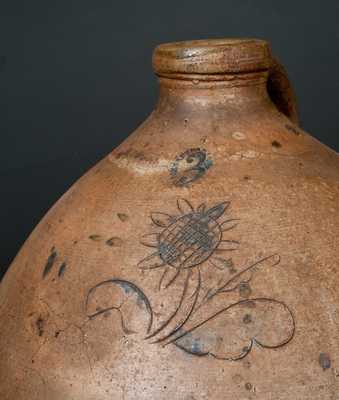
(222, 93)
(232, 76)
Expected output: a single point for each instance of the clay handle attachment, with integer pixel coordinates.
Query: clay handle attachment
(281, 92)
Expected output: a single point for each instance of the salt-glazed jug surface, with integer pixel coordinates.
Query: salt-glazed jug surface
(197, 261)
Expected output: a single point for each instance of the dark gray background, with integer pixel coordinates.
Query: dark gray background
(76, 79)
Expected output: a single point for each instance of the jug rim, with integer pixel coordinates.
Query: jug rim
(212, 56)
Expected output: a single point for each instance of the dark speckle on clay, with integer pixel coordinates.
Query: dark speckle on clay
(94, 237)
(324, 361)
(50, 262)
(114, 242)
(276, 144)
(122, 217)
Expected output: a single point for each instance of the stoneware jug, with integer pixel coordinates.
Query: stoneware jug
(198, 260)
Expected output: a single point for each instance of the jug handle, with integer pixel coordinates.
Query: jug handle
(281, 92)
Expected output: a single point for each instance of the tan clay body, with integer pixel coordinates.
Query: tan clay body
(197, 261)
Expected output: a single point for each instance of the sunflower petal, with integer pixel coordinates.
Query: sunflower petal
(169, 278)
(228, 245)
(229, 224)
(150, 240)
(223, 264)
(152, 261)
(201, 208)
(184, 206)
(218, 210)
(161, 219)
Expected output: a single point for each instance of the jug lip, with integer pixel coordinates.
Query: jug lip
(212, 56)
